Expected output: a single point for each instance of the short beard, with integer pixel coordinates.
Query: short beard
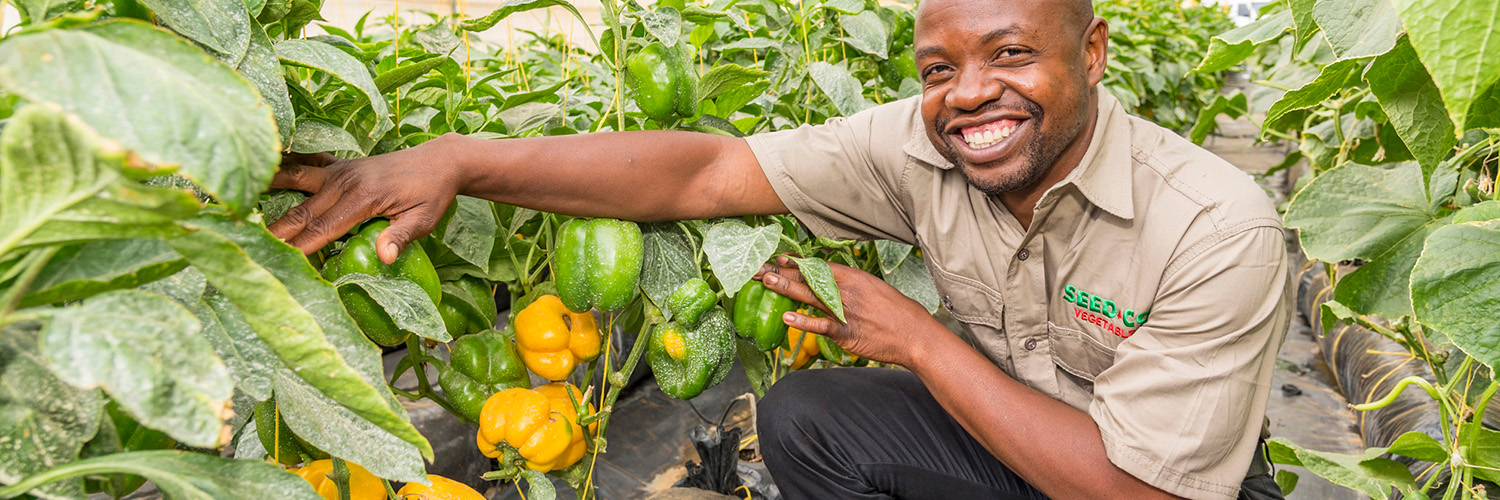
(1040, 154)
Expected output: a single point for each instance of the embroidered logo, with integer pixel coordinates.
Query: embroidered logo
(1103, 312)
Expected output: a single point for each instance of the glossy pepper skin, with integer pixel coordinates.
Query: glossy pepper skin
(757, 315)
(442, 489)
(359, 256)
(480, 365)
(278, 439)
(552, 340)
(132, 436)
(459, 317)
(541, 424)
(362, 484)
(597, 263)
(688, 360)
(690, 300)
(662, 81)
(805, 344)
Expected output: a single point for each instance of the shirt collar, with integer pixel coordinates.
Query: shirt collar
(1103, 176)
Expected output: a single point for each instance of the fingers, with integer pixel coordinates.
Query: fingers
(789, 282)
(300, 216)
(405, 228)
(813, 324)
(323, 228)
(300, 177)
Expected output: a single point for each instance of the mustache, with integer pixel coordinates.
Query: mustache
(1022, 104)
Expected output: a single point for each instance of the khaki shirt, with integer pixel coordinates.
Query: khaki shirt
(1150, 290)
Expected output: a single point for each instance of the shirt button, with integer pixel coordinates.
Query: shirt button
(947, 304)
(1030, 344)
(1023, 254)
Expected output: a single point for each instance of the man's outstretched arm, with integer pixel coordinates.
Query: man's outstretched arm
(639, 175)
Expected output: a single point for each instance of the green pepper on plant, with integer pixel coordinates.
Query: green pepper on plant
(690, 300)
(597, 263)
(688, 360)
(758, 315)
(359, 256)
(459, 316)
(278, 439)
(481, 365)
(663, 81)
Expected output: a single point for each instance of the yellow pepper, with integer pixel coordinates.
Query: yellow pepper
(362, 484)
(539, 423)
(552, 340)
(442, 489)
(807, 350)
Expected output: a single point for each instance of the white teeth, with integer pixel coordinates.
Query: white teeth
(987, 138)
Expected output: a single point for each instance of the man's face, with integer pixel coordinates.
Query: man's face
(1006, 84)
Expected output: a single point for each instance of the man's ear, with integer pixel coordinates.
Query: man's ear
(1096, 49)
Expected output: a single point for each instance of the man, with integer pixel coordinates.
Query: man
(1122, 290)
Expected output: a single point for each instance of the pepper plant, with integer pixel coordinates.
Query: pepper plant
(1393, 104)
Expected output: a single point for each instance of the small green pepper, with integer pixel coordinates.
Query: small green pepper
(688, 360)
(479, 366)
(662, 81)
(359, 256)
(473, 312)
(279, 440)
(690, 300)
(757, 315)
(597, 263)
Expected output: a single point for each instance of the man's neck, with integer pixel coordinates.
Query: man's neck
(1022, 202)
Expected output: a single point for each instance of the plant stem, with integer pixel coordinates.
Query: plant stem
(33, 264)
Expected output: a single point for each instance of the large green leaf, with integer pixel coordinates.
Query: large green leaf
(406, 73)
(1331, 79)
(470, 233)
(406, 303)
(1457, 41)
(59, 183)
(866, 32)
(514, 6)
(43, 421)
(1367, 473)
(346, 68)
(298, 315)
(313, 136)
(892, 254)
(669, 256)
(159, 96)
(1379, 214)
(724, 78)
(1413, 103)
(221, 25)
(1228, 49)
(1455, 287)
(912, 279)
(1358, 28)
(145, 351)
(261, 67)
(79, 271)
(835, 81)
(251, 363)
(185, 475)
(736, 251)
(338, 431)
(664, 23)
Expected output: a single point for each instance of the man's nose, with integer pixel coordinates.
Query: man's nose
(972, 90)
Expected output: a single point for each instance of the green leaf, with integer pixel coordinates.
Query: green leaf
(313, 136)
(757, 365)
(1455, 287)
(171, 103)
(514, 6)
(669, 254)
(840, 87)
(407, 304)
(334, 429)
(298, 315)
(79, 271)
(1366, 473)
(1332, 312)
(1412, 101)
(913, 280)
(892, 254)
(59, 184)
(724, 78)
(278, 202)
(340, 65)
(185, 287)
(1419, 445)
(663, 23)
(1358, 28)
(819, 278)
(538, 487)
(1379, 214)
(144, 350)
(185, 475)
(1233, 105)
(471, 231)
(1485, 112)
(406, 73)
(1484, 453)
(1331, 79)
(1302, 20)
(43, 421)
(736, 251)
(36, 11)
(250, 361)
(1287, 481)
(866, 33)
(438, 38)
(845, 6)
(1456, 41)
(1479, 212)
(1228, 49)
(222, 26)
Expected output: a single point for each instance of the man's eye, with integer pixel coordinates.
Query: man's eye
(935, 71)
(1013, 52)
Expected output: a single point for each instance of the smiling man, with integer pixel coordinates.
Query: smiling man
(1123, 292)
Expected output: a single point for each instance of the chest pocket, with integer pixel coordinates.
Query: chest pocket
(980, 309)
(1078, 353)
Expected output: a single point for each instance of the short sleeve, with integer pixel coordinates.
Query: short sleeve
(842, 178)
(1182, 406)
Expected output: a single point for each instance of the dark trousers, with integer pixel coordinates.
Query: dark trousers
(875, 433)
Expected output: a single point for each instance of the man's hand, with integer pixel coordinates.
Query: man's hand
(880, 318)
(413, 188)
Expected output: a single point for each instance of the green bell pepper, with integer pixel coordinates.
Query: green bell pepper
(597, 263)
(663, 81)
(472, 313)
(690, 300)
(279, 440)
(688, 360)
(479, 366)
(359, 256)
(757, 315)
(120, 433)
(837, 355)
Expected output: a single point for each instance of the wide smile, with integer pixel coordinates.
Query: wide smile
(989, 141)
